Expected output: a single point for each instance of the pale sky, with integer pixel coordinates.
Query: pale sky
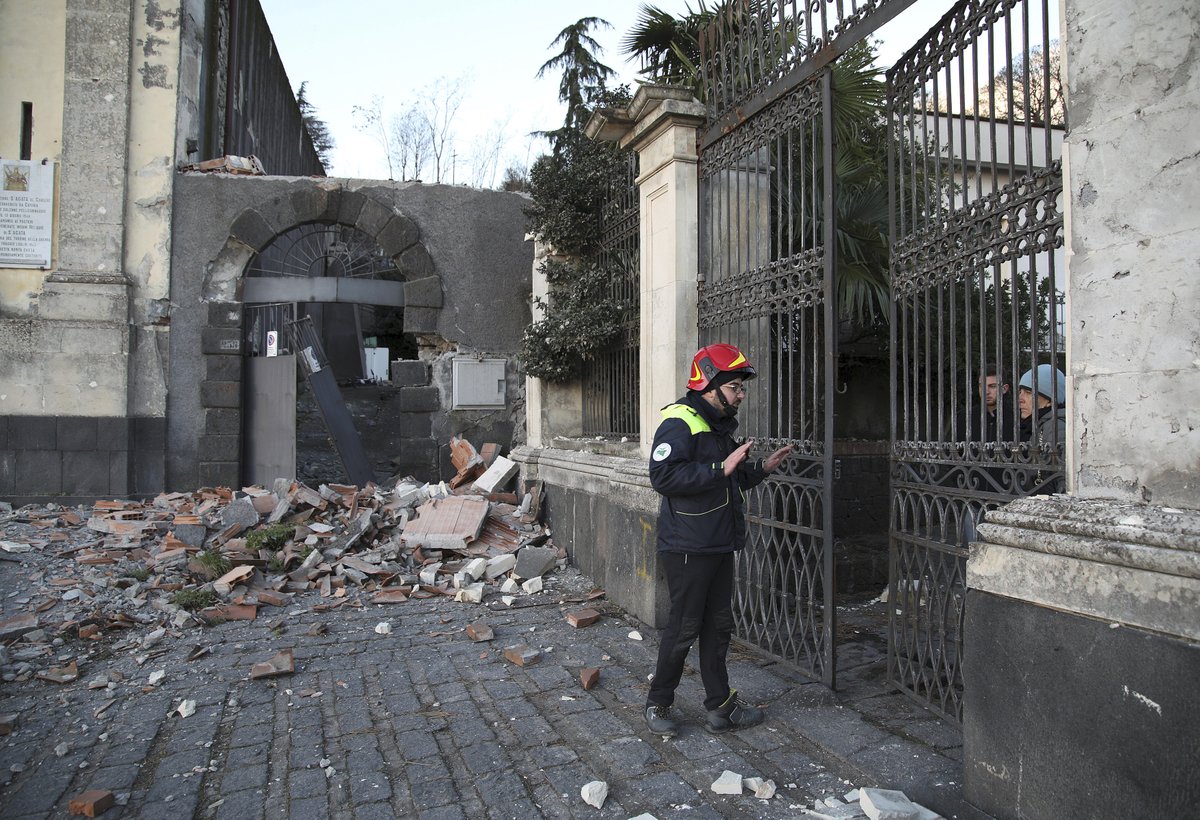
(352, 50)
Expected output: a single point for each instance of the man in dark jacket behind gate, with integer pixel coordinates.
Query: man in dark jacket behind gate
(701, 473)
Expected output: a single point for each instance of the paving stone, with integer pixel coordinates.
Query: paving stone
(306, 783)
(311, 808)
(241, 805)
(237, 778)
(431, 793)
(369, 788)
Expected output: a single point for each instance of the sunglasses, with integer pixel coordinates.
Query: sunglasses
(736, 389)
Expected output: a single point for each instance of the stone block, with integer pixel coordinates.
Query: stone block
(471, 594)
(252, 230)
(240, 511)
(222, 422)
(113, 432)
(220, 448)
(86, 473)
(475, 568)
(532, 586)
(224, 314)
(497, 476)
(76, 433)
(223, 368)
(106, 302)
(415, 263)
(8, 473)
(349, 207)
(4, 433)
(421, 320)
(399, 233)
(33, 432)
(150, 433)
(39, 472)
(533, 562)
(216, 341)
(418, 400)
(409, 373)
(425, 292)
(373, 217)
(220, 394)
(498, 565)
(219, 474)
(311, 204)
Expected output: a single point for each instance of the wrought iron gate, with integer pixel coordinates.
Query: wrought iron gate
(767, 263)
(977, 115)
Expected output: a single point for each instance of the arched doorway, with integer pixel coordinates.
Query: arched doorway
(349, 291)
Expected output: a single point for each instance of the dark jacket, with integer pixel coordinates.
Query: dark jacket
(997, 426)
(701, 507)
(1050, 424)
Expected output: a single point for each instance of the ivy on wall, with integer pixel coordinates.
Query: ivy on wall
(569, 188)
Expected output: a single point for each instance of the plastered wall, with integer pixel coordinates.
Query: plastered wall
(1133, 175)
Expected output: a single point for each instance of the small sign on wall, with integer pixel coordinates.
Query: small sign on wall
(26, 213)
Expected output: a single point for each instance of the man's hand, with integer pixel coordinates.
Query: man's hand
(771, 462)
(737, 457)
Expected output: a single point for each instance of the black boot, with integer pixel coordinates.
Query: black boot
(658, 719)
(733, 714)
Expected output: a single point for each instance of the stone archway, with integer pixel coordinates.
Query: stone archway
(418, 289)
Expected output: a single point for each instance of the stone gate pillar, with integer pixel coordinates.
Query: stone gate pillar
(1082, 635)
(661, 125)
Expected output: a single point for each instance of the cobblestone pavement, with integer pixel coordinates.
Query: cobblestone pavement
(423, 722)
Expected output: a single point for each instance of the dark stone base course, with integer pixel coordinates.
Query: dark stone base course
(1068, 716)
(78, 459)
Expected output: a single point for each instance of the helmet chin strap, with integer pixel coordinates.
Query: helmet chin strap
(730, 410)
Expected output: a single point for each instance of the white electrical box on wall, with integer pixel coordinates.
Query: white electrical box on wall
(478, 384)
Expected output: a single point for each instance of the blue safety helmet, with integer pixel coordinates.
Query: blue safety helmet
(1046, 373)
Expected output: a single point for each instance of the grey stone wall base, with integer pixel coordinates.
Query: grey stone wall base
(1067, 717)
(604, 511)
(1124, 563)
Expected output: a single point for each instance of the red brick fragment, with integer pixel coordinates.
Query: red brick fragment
(283, 663)
(582, 617)
(589, 676)
(389, 596)
(92, 802)
(522, 655)
(479, 631)
(231, 612)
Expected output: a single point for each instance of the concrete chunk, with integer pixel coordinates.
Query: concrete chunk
(499, 565)
(472, 594)
(533, 562)
(532, 586)
(887, 804)
(475, 568)
(497, 476)
(728, 783)
(594, 793)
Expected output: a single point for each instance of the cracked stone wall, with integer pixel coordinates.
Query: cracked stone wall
(1133, 172)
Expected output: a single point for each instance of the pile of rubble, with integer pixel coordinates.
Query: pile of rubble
(136, 571)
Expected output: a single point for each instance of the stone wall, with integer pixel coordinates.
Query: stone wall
(466, 290)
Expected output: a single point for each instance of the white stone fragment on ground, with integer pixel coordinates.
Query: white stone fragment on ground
(475, 568)
(428, 574)
(157, 676)
(728, 783)
(594, 793)
(510, 586)
(186, 708)
(533, 585)
(635, 635)
(497, 475)
(499, 565)
(763, 789)
(472, 594)
(507, 600)
(849, 811)
(383, 628)
(851, 796)
(644, 816)
(887, 804)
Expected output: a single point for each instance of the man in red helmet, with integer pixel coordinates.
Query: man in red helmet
(701, 473)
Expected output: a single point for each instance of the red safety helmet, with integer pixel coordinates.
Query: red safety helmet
(718, 358)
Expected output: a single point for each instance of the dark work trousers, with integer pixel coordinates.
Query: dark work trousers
(701, 588)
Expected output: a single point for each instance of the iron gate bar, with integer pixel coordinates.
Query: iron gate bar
(864, 20)
(831, 308)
